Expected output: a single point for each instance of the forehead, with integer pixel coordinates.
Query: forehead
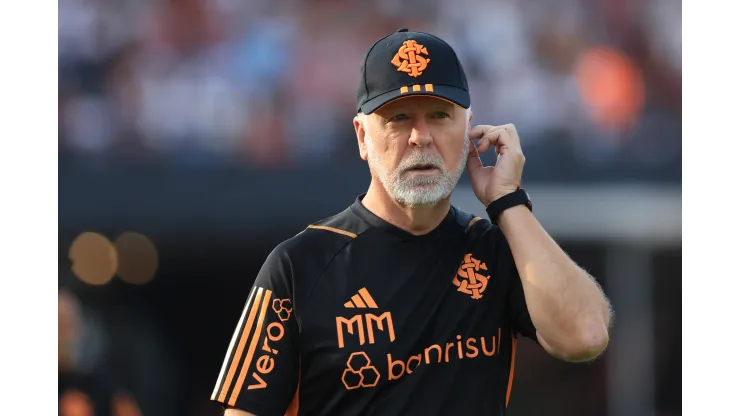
(419, 102)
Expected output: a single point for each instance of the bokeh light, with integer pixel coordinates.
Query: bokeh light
(75, 403)
(611, 87)
(94, 259)
(137, 258)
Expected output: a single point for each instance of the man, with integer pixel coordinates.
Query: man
(402, 304)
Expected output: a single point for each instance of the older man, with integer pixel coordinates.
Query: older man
(402, 304)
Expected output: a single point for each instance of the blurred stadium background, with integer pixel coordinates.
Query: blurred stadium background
(194, 135)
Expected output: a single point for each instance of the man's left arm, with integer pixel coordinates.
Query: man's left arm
(567, 307)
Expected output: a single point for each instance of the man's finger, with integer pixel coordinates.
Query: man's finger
(485, 143)
(492, 137)
(477, 132)
(473, 161)
(473, 149)
(509, 139)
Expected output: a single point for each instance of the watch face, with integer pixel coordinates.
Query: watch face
(528, 201)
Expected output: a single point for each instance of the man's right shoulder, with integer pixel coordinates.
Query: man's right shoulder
(323, 238)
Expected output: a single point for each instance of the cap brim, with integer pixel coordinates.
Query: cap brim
(452, 94)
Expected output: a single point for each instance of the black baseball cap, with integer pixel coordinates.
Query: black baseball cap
(410, 63)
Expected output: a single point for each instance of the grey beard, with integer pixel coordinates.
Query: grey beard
(417, 192)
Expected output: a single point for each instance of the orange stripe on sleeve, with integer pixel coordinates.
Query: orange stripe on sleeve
(240, 348)
(252, 346)
(232, 344)
(511, 371)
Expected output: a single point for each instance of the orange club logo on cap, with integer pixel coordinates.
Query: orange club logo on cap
(408, 59)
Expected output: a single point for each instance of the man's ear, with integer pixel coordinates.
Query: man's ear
(360, 133)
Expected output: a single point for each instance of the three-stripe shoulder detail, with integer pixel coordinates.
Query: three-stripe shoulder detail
(245, 340)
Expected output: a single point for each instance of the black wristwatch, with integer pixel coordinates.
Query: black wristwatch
(518, 197)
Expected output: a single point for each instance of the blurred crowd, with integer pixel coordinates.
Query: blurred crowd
(269, 82)
(84, 388)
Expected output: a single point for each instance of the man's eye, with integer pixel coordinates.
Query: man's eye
(399, 117)
(441, 114)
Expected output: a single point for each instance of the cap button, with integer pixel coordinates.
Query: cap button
(403, 29)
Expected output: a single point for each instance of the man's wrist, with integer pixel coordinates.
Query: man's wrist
(499, 194)
(512, 200)
(511, 214)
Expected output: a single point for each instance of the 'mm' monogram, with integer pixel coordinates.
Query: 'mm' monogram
(362, 325)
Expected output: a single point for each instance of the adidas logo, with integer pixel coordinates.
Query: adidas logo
(362, 300)
(363, 326)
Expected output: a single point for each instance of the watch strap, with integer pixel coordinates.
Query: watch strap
(518, 197)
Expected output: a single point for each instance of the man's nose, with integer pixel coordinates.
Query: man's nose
(420, 134)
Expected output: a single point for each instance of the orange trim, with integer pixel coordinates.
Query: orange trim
(332, 229)
(428, 87)
(252, 346)
(368, 299)
(404, 90)
(511, 371)
(293, 406)
(470, 224)
(416, 88)
(240, 348)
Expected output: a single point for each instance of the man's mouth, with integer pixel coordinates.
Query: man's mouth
(422, 168)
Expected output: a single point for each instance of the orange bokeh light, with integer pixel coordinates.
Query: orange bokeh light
(611, 86)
